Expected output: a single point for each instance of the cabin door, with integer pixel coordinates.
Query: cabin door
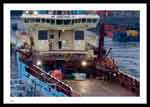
(51, 41)
(60, 44)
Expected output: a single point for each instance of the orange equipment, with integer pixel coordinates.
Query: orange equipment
(57, 74)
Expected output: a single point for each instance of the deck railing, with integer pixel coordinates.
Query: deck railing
(43, 76)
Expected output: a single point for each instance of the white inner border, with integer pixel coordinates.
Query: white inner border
(143, 66)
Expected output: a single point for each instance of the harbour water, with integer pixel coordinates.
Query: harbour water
(126, 55)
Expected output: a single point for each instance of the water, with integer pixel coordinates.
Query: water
(126, 56)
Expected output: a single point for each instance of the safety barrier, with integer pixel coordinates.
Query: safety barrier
(43, 76)
(122, 78)
(128, 82)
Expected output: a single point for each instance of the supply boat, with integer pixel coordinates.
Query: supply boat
(60, 40)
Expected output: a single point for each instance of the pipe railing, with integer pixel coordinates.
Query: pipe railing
(43, 76)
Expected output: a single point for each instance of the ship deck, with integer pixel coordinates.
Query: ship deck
(94, 87)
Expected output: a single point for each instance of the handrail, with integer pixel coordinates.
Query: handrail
(43, 76)
(37, 73)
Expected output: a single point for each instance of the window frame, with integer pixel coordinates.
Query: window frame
(84, 20)
(89, 20)
(69, 21)
(52, 21)
(45, 38)
(79, 38)
(59, 20)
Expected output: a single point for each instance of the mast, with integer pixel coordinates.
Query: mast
(101, 38)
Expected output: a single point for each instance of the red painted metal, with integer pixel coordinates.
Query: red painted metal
(124, 80)
(128, 82)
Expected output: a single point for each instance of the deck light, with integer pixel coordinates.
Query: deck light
(35, 12)
(83, 63)
(38, 62)
(27, 12)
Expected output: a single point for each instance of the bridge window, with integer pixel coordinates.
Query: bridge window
(32, 20)
(66, 22)
(78, 20)
(42, 35)
(59, 22)
(37, 20)
(83, 20)
(26, 20)
(94, 20)
(59, 12)
(75, 21)
(43, 20)
(79, 35)
(48, 20)
(89, 20)
(52, 21)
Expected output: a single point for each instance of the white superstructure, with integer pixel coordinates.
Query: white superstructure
(49, 33)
